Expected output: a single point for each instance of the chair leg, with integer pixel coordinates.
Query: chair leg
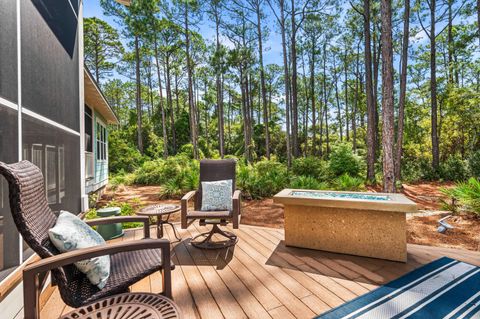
(208, 243)
(167, 282)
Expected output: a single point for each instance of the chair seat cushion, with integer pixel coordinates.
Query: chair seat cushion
(127, 268)
(71, 233)
(208, 214)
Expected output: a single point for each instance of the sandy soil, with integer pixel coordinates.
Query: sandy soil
(420, 229)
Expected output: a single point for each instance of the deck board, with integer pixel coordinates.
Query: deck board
(262, 278)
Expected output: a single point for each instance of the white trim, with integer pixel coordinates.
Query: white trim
(81, 92)
(73, 9)
(19, 101)
(48, 121)
(8, 104)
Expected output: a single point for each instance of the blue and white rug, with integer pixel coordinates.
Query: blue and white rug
(445, 288)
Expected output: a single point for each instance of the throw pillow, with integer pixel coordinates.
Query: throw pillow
(217, 195)
(72, 233)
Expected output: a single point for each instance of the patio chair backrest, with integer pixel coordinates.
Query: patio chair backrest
(33, 217)
(215, 170)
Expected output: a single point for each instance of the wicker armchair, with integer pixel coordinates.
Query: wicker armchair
(213, 170)
(130, 261)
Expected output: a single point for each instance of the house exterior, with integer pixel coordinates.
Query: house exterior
(53, 114)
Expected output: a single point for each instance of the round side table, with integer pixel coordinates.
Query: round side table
(128, 305)
(159, 211)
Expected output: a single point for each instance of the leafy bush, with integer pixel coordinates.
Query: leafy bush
(310, 166)
(307, 182)
(122, 178)
(348, 183)
(123, 156)
(474, 164)
(263, 179)
(454, 169)
(177, 175)
(467, 195)
(344, 161)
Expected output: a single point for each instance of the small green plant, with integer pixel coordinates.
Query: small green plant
(344, 161)
(310, 166)
(454, 169)
(307, 182)
(467, 194)
(348, 183)
(474, 164)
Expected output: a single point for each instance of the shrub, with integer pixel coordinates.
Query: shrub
(123, 156)
(126, 209)
(454, 169)
(310, 166)
(344, 161)
(122, 178)
(307, 182)
(467, 194)
(263, 179)
(474, 164)
(348, 183)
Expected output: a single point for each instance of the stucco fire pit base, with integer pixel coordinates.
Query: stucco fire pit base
(341, 225)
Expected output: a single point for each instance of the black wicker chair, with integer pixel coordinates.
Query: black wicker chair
(131, 261)
(213, 170)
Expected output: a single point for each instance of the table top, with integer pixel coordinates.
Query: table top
(159, 209)
(128, 305)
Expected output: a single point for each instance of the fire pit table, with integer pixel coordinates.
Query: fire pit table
(363, 224)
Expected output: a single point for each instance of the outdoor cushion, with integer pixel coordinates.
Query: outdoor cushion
(71, 233)
(217, 195)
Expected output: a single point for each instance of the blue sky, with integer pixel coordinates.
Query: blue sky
(272, 47)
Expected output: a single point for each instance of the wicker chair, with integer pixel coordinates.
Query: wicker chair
(212, 170)
(130, 261)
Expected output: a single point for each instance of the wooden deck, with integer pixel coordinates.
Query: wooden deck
(262, 278)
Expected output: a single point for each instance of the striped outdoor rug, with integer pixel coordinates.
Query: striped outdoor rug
(445, 288)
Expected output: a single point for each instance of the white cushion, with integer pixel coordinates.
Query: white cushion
(217, 195)
(72, 233)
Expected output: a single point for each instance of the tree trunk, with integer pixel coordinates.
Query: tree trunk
(191, 104)
(388, 133)
(287, 80)
(221, 134)
(162, 109)
(312, 93)
(371, 129)
(138, 96)
(355, 103)
(337, 98)
(433, 89)
(325, 98)
(403, 90)
(293, 53)
(347, 132)
(170, 103)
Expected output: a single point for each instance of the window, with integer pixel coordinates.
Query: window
(88, 129)
(101, 142)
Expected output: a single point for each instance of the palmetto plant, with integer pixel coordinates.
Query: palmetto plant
(466, 194)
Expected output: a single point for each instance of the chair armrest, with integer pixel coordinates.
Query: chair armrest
(184, 205)
(123, 219)
(236, 201)
(31, 283)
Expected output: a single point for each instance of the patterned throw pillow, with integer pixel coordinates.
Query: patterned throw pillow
(72, 233)
(217, 195)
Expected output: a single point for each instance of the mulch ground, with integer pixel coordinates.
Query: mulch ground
(420, 229)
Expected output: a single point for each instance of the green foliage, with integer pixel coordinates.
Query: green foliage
(474, 164)
(307, 182)
(467, 195)
(126, 209)
(454, 169)
(122, 156)
(344, 161)
(122, 178)
(310, 166)
(177, 175)
(348, 183)
(187, 150)
(264, 179)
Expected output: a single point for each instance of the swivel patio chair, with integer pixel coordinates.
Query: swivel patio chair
(213, 170)
(131, 261)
